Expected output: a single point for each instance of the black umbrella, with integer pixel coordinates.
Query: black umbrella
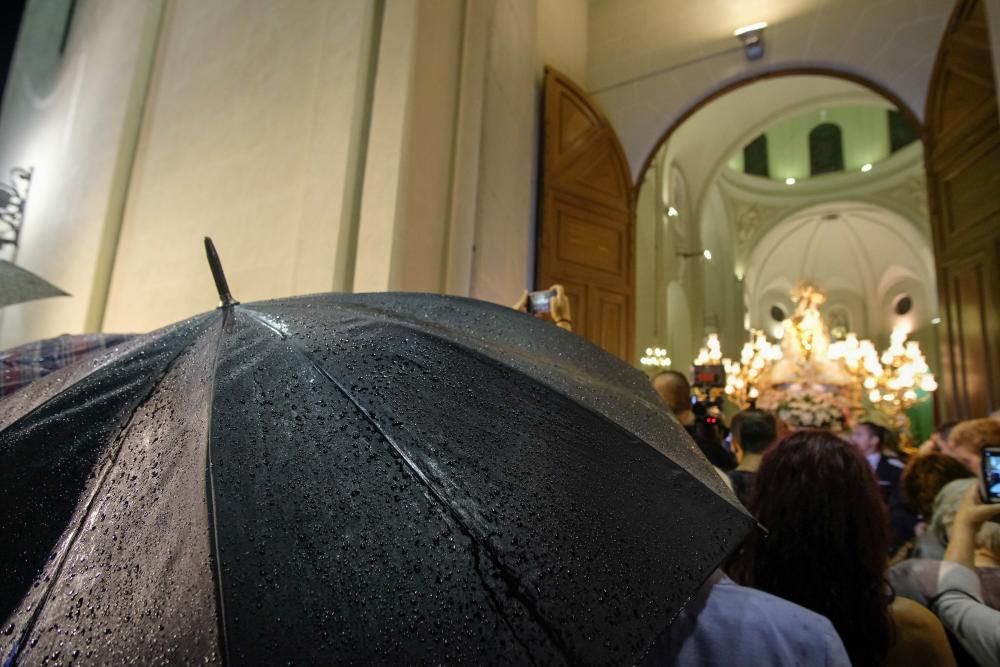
(399, 478)
(18, 285)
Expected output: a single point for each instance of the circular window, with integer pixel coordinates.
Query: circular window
(903, 304)
(778, 313)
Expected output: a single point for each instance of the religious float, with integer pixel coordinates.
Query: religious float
(811, 381)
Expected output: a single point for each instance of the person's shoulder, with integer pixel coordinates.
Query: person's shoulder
(919, 637)
(894, 462)
(787, 628)
(777, 611)
(889, 468)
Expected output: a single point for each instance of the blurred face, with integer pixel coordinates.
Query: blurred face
(866, 441)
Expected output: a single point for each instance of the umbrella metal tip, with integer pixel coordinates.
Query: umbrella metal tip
(221, 284)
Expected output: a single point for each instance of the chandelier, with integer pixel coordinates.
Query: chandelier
(656, 358)
(711, 353)
(893, 381)
(743, 377)
(903, 370)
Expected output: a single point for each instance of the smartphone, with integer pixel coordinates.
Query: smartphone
(541, 301)
(990, 482)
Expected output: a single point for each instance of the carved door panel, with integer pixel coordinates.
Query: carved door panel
(586, 236)
(963, 179)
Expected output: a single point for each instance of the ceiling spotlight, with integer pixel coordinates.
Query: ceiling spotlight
(936, 320)
(789, 181)
(866, 167)
(752, 38)
(707, 254)
(672, 212)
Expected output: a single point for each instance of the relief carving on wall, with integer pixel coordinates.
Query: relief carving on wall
(752, 220)
(910, 194)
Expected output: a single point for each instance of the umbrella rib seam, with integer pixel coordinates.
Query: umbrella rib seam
(210, 492)
(71, 539)
(428, 328)
(530, 606)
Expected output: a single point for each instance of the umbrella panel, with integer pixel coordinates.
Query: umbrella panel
(580, 527)
(347, 549)
(50, 455)
(135, 575)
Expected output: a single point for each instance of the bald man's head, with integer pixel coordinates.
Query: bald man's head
(674, 389)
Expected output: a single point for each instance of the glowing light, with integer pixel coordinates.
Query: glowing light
(936, 321)
(789, 181)
(672, 212)
(760, 25)
(656, 357)
(866, 167)
(707, 254)
(711, 354)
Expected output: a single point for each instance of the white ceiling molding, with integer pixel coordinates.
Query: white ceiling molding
(703, 144)
(652, 61)
(756, 204)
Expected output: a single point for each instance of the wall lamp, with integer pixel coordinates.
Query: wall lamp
(707, 254)
(13, 197)
(752, 38)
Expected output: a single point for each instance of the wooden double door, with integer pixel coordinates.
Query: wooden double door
(586, 238)
(962, 155)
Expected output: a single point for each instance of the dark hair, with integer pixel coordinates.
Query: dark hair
(755, 430)
(887, 439)
(925, 475)
(828, 538)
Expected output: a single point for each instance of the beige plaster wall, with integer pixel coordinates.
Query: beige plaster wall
(252, 133)
(406, 202)
(447, 203)
(670, 289)
(650, 298)
(74, 118)
(324, 145)
(724, 307)
(503, 253)
(562, 37)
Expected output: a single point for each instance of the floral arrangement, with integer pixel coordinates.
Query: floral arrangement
(808, 407)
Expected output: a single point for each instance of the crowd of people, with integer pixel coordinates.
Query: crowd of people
(866, 556)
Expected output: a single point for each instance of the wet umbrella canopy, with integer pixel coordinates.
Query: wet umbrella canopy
(393, 478)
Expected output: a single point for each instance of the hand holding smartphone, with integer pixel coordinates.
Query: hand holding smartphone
(540, 301)
(989, 479)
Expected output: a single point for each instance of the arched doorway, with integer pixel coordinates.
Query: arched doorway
(963, 158)
(701, 231)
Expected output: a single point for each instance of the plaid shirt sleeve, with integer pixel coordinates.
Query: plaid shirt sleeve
(20, 366)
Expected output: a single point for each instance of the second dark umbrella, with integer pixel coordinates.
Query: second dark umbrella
(18, 285)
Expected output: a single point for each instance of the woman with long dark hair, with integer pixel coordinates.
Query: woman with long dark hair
(826, 551)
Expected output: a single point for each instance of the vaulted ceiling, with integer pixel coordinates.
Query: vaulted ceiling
(863, 256)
